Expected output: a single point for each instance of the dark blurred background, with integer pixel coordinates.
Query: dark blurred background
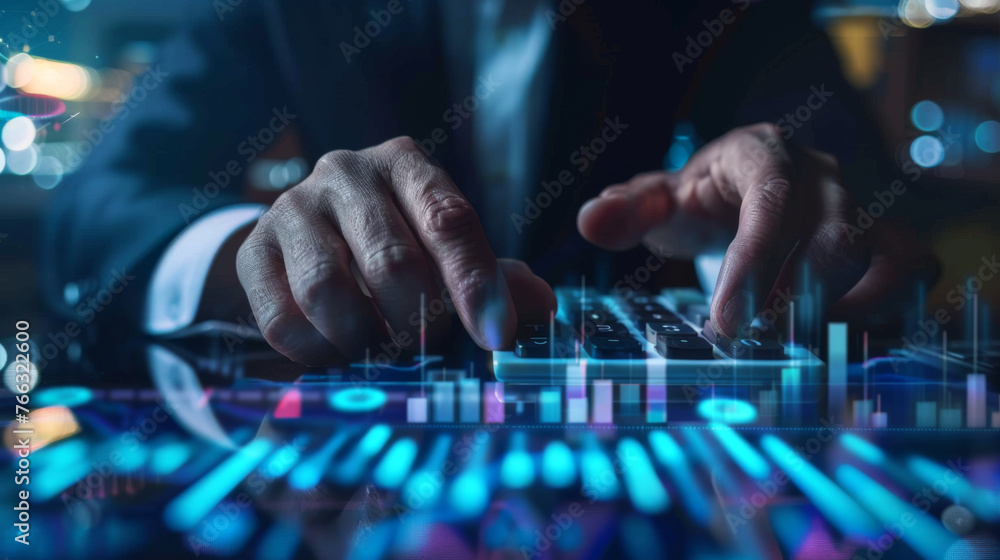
(929, 68)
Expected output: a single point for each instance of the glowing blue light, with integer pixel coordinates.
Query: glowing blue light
(308, 473)
(518, 468)
(678, 155)
(924, 533)
(598, 474)
(169, 457)
(392, 471)
(3, 352)
(927, 151)
(988, 136)
(644, 487)
(423, 487)
(669, 454)
(65, 396)
(957, 487)
(469, 494)
(52, 481)
(927, 116)
(193, 504)
(357, 399)
(862, 448)
(843, 512)
(728, 411)
(558, 466)
(351, 470)
(745, 456)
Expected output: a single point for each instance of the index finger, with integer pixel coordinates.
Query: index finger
(451, 233)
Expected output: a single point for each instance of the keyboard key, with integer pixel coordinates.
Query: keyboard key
(533, 346)
(750, 349)
(640, 320)
(612, 328)
(667, 329)
(613, 347)
(684, 348)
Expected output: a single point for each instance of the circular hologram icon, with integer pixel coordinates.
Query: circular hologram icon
(357, 399)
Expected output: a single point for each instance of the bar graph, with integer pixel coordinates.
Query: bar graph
(416, 410)
(603, 402)
(469, 400)
(550, 405)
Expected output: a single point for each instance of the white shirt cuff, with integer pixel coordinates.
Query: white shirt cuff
(175, 291)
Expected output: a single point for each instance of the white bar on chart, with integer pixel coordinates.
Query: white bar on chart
(603, 401)
(416, 410)
(926, 414)
(576, 410)
(975, 407)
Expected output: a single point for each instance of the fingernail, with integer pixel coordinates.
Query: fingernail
(491, 321)
(735, 313)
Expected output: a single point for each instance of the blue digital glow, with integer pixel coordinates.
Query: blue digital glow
(309, 472)
(392, 471)
(423, 488)
(65, 396)
(281, 542)
(600, 481)
(728, 411)
(644, 487)
(843, 512)
(3, 351)
(924, 533)
(679, 154)
(669, 454)
(231, 537)
(59, 454)
(186, 510)
(357, 399)
(169, 457)
(927, 116)
(281, 462)
(558, 465)
(862, 448)
(352, 469)
(752, 462)
(517, 469)
(957, 487)
(469, 493)
(52, 481)
(927, 151)
(988, 136)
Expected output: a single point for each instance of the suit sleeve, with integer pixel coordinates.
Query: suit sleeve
(175, 150)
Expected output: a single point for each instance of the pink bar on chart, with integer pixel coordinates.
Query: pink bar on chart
(603, 401)
(493, 406)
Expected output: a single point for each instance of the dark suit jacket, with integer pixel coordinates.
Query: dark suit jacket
(611, 59)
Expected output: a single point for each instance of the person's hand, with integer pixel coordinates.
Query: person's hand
(778, 206)
(390, 217)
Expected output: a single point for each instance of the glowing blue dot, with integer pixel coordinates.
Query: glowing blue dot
(66, 396)
(728, 411)
(678, 155)
(927, 116)
(927, 151)
(360, 399)
(988, 136)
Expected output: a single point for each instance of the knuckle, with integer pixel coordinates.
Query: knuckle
(336, 162)
(251, 257)
(401, 145)
(449, 217)
(391, 261)
(311, 286)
